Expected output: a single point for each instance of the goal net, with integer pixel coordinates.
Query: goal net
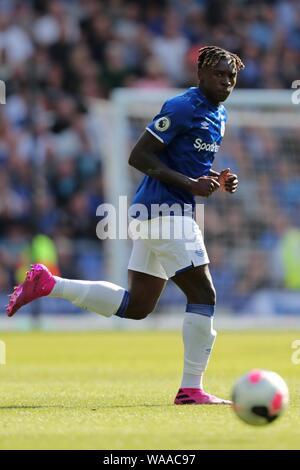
(253, 236)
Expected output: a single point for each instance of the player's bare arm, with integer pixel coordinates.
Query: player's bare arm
(144, 158)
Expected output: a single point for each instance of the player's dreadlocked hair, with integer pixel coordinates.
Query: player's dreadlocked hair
(209, 56)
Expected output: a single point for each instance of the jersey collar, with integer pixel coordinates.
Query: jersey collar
(203, 98)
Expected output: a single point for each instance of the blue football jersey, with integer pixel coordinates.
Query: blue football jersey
(192, 129)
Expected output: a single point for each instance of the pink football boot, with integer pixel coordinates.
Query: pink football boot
(197, 396)
(38, 283)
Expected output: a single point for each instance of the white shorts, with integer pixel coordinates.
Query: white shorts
(167, 246)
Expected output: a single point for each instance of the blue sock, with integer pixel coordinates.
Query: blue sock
(124, 304)
(201, 309)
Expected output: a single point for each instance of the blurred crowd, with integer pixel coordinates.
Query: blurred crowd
(57, 55)
(89, 47)
(254, 237)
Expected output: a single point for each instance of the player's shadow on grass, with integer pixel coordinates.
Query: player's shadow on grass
(31, 407)
(36, 407)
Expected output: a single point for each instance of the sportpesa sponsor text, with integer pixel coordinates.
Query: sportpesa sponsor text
(200, 145)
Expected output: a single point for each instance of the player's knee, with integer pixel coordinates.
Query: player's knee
(139, 314)
(211, 293)
(205, 293)
(207, 290)
(139, 311)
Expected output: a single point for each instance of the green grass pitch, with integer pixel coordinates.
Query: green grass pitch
(114, 390)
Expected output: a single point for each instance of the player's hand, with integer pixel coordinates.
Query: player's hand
(228, 181)
(204, 186)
